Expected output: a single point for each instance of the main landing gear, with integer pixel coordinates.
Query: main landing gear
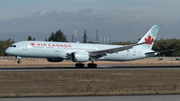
(79, 65)
(19, 61)
(90, 65)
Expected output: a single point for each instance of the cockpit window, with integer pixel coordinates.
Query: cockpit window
(13, 46)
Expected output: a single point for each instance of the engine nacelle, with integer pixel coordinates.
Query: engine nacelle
(54, 59)
(79, 56)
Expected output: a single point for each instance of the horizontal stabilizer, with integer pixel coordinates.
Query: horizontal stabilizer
(158, 52)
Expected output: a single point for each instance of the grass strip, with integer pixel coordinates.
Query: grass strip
(78, 83)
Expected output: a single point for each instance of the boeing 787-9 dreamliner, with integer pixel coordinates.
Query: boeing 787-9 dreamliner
(83, 52)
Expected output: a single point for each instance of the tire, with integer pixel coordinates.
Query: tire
(79, 65)
(89, 65)
(19, 62)
(95, 65)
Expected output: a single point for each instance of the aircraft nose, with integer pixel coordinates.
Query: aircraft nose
(7, 51)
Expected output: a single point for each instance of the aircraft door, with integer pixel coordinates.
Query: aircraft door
(25, 47)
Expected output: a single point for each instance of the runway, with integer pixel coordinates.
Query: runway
(101, 98)
(86, 68)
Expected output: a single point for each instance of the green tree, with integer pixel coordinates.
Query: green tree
(84, 37)
(4, 44)
(34, 39)
(122, 43)
(29, 38)
(91, 42)
(52, 37)
(167, 44)
(58, 36)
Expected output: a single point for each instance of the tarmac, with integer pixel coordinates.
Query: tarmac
(100, 98)
(86, 68)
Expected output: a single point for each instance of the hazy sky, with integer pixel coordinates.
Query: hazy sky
(127, 20)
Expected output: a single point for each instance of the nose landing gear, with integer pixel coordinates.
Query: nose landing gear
(19, 61)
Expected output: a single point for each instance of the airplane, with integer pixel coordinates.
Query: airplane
(83, 52)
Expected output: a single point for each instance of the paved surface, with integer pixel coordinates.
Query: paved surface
(101, 98)
(98, 68)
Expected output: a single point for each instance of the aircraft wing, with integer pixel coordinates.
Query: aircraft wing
(104, 52)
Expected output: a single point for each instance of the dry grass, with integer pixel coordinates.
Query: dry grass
(45, 63)
(76, 83)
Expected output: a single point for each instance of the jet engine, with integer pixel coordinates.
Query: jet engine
(54, 59)
(79, 56)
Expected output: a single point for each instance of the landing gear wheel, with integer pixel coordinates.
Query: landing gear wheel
(19, 61)
(79, 65)
(91, 65)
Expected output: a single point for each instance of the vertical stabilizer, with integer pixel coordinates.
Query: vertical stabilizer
(150, 36)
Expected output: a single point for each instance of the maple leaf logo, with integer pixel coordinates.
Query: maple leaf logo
(149, 39)
(32, 44)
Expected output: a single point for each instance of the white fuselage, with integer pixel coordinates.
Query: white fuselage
(46, 49)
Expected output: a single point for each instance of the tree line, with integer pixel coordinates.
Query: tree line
(4, 44)
(58, 36)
